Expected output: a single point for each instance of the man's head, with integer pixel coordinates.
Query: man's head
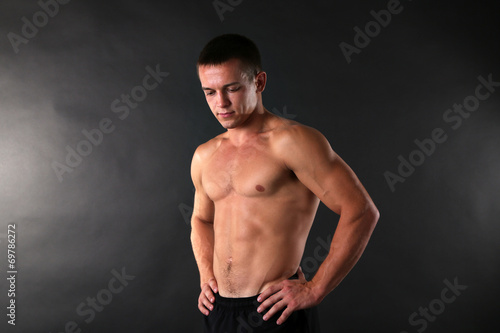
(231, 46)
(232, 80)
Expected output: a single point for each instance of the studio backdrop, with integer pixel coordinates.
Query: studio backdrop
(101, 110)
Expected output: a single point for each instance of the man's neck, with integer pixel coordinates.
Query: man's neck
(254, 125)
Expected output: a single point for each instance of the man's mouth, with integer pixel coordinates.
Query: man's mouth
(226, 114)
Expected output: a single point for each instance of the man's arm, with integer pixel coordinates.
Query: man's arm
(308, 154)
(202, 236)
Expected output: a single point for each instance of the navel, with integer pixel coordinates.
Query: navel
(260, 188)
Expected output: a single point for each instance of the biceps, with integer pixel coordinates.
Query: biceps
(335, 184)
(203, 207)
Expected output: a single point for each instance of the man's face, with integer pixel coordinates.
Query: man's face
(230, 94)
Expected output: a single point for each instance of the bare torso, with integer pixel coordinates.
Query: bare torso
(263, 213)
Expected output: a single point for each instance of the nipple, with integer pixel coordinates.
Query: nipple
(260, 188)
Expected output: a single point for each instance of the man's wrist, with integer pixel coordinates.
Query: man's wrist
(318, 291)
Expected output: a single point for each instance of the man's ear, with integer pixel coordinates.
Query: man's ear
(260, 81)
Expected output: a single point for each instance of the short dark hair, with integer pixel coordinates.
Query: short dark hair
(232, 46)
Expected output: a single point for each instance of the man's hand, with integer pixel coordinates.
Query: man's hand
(289, 294)
(207, 298)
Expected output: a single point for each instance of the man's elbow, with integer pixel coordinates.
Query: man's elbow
(371, 215)
(365, 215)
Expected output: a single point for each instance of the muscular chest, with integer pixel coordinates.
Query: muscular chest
(247, 171)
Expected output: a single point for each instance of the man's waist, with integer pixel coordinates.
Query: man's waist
(236, 295)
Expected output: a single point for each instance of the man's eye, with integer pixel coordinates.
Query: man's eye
(209, 93)
(233, 89)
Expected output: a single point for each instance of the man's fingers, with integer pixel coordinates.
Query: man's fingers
(272, 311)
(204, 305)
(284, 316)
(207, 304)
(208, 290)
(288, 305)
(213, 285)
(209, 295)
(207, 298)
(203, 309)
(269, 291)
(273, 299)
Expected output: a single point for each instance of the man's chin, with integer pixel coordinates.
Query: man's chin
(228, 124)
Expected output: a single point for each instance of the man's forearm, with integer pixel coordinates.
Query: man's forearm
(349, 242)
(202, 240)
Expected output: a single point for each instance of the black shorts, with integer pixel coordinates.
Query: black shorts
(239, 315)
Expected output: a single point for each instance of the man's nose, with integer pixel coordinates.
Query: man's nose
(222, 100)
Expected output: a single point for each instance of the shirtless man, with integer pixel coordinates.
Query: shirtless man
(258, 186)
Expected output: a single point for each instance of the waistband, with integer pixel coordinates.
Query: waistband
(242, 302)
(236, 302)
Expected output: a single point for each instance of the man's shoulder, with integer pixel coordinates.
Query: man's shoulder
(290, 132)
(295, 144)
(206, 149)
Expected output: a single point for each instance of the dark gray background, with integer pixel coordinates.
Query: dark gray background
(125, 205)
